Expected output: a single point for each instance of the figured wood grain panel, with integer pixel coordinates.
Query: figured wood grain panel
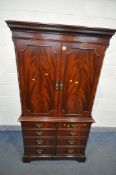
(77, 73)
(41, 61)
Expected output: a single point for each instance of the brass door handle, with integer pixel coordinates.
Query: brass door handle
(39, 133)
(39, 125)
(57, 85)
(39, 142)
(61, 85)
(39, 151)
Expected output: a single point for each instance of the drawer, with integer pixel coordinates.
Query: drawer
(72, 141)
(39, 133)
(39, 150)
(28, 125)
(39, 141)
(74, 125)
(72, 133)
(69, 150)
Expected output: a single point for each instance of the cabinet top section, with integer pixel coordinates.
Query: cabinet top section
(59, 28)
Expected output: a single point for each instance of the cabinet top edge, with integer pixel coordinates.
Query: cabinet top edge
(55, 119)
(35, 26)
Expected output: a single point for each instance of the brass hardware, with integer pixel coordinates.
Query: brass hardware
(70, 151)
(84, 124)
(66, 125)
(39, 133)
(76, 82)
(70, 81)
(39, 125)
(63, 47)
(46, 73)
(74, 125)
(57, 85)
(61, 85)
(39, 142)
(71, 142)
(73, 133)
(33, 79)
(39, 151)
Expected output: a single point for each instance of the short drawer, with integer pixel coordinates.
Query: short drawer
(72, 133)
(72, 141)
(74, 125)
(39, 150)
(39, 133)
(29, 125)
(69, 150)
(40, 141)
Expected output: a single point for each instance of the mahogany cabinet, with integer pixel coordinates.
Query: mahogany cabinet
(58, 71)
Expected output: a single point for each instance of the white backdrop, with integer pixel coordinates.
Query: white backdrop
(92, 13)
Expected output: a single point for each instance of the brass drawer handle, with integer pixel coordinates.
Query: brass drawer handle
(39, 151)
(84, 124)
(66, 125)
(61, 85)
(39, 125)
(39, 133)
(71, 142)
(74, 125)
(39, 142)
(57, 85)
(70, 151)
(73, 133)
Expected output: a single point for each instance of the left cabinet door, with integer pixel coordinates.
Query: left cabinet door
(38, 65)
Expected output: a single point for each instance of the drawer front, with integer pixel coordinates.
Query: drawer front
(38, 133)
(72, 141)
(39, 141)
(39, 151)
(74, 125)
(72, 133)
(69, 150)
(38, 125)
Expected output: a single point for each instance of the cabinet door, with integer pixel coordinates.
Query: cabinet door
(79, 64)
(38, 65)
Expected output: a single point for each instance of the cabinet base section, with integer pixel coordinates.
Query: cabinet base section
(79, 158)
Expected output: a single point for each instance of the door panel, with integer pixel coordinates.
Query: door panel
(77, 73)
(41, 65)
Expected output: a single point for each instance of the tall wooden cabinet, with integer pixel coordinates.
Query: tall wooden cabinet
(58, 70)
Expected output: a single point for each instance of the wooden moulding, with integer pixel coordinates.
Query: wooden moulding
(34, 26)
(55, 119)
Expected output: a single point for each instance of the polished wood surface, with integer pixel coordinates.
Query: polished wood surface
(58, 70)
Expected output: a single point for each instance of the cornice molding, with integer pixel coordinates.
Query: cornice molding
(30, 26)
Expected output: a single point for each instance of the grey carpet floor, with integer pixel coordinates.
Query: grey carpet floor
(101, 157)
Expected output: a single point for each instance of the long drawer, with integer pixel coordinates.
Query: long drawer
(40, 141)
(72, 133)
(29, 133)
(71, 141)
(29, 125)
(74, 125)
(69, 150)
(39, 150)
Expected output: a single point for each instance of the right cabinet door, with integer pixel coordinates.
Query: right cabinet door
(78, 72)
